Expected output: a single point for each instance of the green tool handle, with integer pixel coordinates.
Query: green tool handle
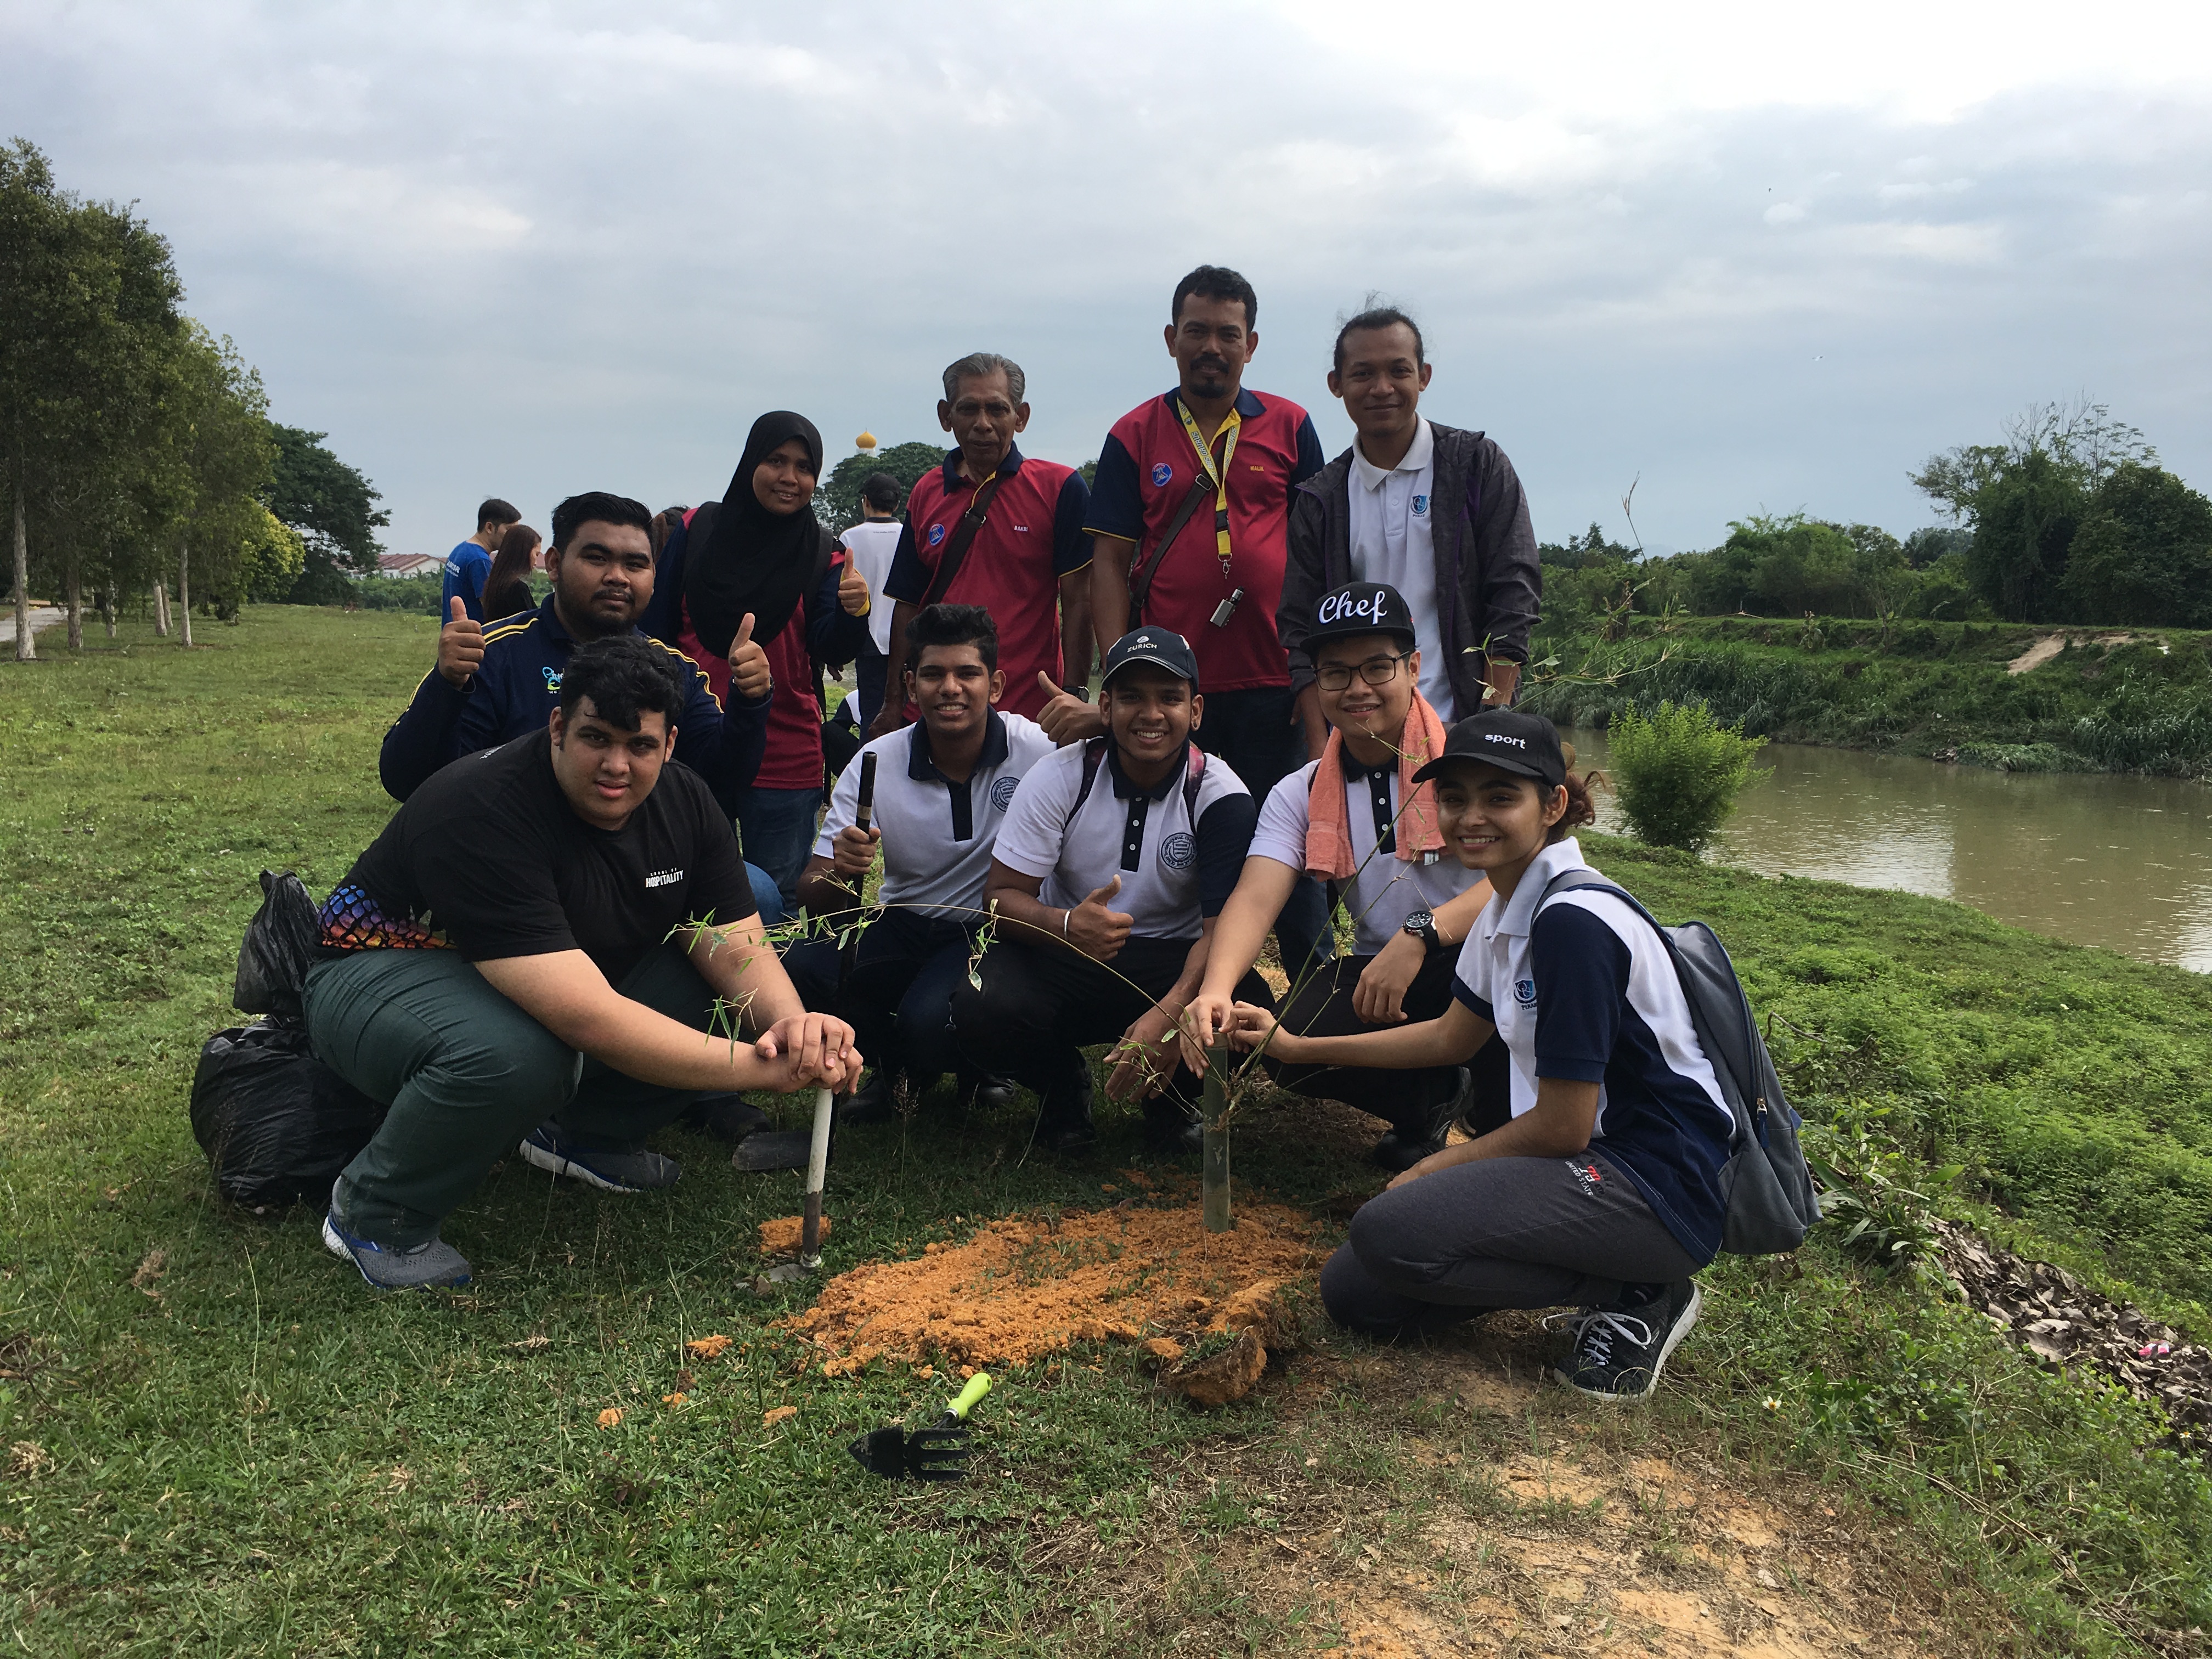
(978, 1386)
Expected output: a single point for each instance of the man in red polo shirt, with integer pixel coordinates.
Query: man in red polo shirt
(1024, 563)
(1207, 469)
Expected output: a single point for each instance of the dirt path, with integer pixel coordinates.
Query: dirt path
(42, 617)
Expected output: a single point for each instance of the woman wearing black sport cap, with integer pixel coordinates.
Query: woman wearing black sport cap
(1602, 1191)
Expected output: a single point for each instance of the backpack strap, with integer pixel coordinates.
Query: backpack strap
(963, 537)
(1142, 571)
(1583, 879)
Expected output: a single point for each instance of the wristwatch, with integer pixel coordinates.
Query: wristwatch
(1422, 925)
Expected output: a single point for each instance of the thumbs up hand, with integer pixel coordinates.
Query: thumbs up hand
(1095, 931)
(1066, 718)
(750, 677)
(852, 590)
(460, 646)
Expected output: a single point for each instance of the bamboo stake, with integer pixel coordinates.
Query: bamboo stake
(1215, 1167)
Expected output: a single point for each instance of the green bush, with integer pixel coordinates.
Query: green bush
(1677, 772)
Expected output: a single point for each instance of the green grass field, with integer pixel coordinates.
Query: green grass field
(238, 1449)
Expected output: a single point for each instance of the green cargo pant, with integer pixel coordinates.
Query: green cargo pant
(467, 1074)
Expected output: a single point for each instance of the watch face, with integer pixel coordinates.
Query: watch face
(1420, 921)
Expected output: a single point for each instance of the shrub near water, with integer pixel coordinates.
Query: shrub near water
(1678, 772)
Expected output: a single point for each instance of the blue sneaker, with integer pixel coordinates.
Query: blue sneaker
(548, 1149)
(390, 1268)
(1619, 1352)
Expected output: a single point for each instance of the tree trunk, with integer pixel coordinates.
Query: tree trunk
(184, 594)
(75, 601)
(107, 607)
(25, 651)
(161, 607)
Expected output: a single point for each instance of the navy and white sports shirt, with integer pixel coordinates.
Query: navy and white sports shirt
(1583, 989)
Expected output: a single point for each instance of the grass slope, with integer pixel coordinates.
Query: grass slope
(2110, 700)
(237, 1450)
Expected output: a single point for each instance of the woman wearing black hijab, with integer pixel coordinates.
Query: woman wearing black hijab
(759, 565)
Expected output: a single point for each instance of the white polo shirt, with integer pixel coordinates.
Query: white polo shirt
(1178, 868)
(937, 834)
(1391, 542)
(1384, 889)
(871, 542)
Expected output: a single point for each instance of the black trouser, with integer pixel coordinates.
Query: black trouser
(1040, 1005)
(1501, 1232)
(1411, 1102)
(1253, 730)
(898, 997)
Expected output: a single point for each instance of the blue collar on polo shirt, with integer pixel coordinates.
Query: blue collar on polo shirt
(1128, 790)
(1520, 913)
(1007, 468)
(922, 766)
(1248, 403)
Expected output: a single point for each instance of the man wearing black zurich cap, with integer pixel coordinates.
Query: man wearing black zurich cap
(1115, 858)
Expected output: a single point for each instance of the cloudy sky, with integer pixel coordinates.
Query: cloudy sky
(1745, 261)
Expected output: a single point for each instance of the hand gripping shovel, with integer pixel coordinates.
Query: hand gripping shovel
(938, 1452)
(791, 1149)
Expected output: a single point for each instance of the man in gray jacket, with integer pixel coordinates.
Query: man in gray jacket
(1435, 512)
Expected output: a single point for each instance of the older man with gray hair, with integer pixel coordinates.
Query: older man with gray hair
(1000, 529)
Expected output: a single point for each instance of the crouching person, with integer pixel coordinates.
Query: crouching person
(1355, 819)
(942, 788)
(1116, 856)
(557, 993)
(1603, 1192)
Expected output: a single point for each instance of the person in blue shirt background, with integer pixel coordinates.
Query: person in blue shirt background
(491, 686)
(470, 562)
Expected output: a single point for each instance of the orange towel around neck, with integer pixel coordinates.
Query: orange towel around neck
(1329, 834)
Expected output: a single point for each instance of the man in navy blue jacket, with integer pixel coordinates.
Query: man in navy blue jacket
(491, 686)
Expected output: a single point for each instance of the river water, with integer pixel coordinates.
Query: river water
(2095, 858)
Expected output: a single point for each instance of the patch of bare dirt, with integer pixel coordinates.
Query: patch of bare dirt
(1536, 1526)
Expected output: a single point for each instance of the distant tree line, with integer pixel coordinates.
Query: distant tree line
(2071, 520)
(137, 456)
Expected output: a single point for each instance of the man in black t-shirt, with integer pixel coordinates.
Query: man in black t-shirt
(533, 948)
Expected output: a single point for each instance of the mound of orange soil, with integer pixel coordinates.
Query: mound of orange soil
(1025, 1287)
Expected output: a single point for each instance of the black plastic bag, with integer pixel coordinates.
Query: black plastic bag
(278, 949)
(275, 1121)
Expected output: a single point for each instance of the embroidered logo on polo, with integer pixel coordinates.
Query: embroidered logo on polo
(1524, 993)
(1162, 475)
(1180, 850)
(936, 534)
(1421, 507)
(552, 679)
(1002, 793)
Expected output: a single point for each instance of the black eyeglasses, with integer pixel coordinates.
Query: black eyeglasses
(1375, 671)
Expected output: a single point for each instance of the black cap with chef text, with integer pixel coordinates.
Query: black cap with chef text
(1527, 745)
(1163, 646)
(1360, 608)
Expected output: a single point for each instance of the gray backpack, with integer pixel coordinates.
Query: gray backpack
(1766, 1191)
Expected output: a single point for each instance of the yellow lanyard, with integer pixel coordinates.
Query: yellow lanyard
(1219, 475)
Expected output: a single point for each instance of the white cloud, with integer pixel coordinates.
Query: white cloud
(526, 250)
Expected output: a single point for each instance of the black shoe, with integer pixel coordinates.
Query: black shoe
(871, 1103)
(1619, 1352)
(1064, 1121)
(726, 1117)
(1399, 1151)
(986, 1092)
(1169, 1130)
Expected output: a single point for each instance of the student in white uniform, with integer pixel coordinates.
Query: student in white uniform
(1116, 857)
(870, 545)
(1355, 820)
(1603, 1192)
(943, 786)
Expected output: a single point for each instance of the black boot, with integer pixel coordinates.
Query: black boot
(986, 1092)
(726, 1117)
(1064, 1122)
(1169, 1130)
(1405, 1145)
(871, 1103)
